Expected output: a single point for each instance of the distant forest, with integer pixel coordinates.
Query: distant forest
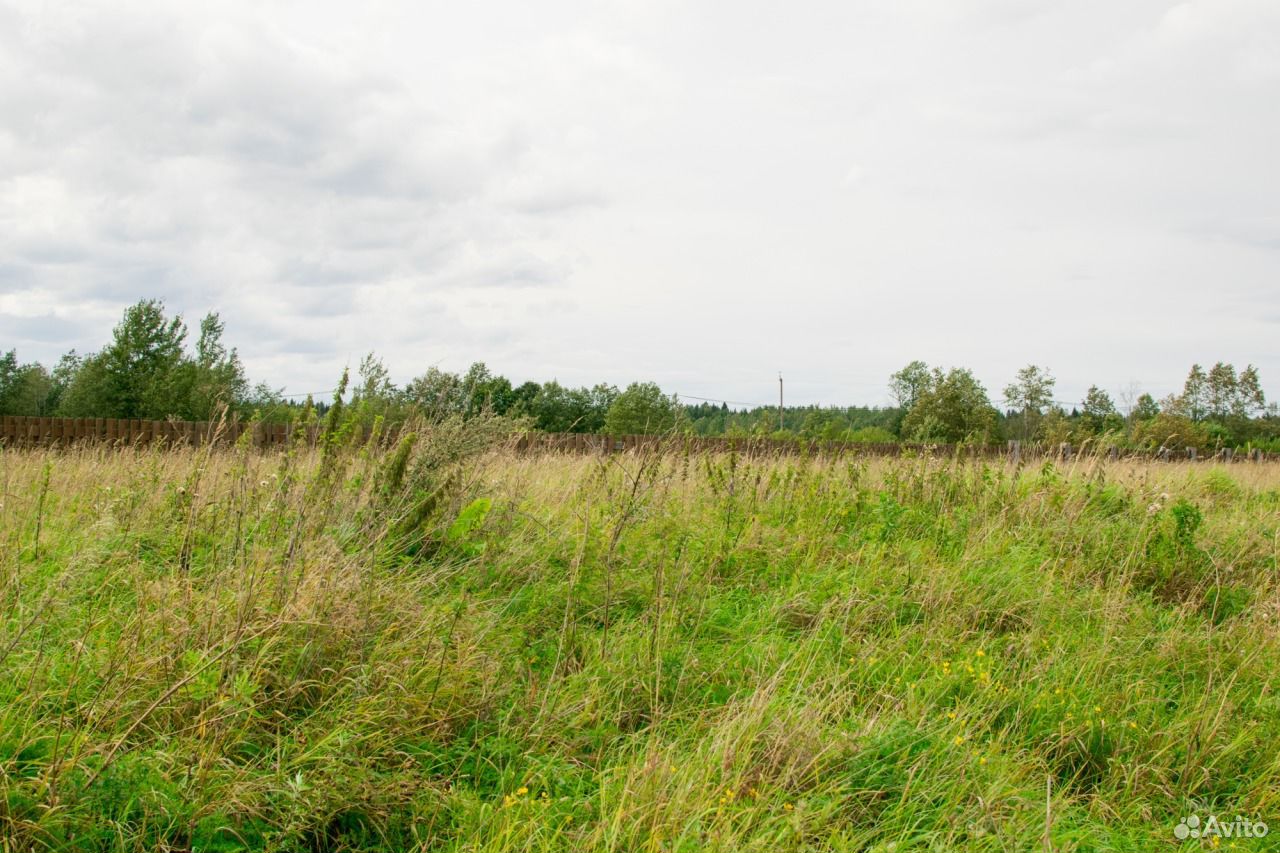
(151, 369)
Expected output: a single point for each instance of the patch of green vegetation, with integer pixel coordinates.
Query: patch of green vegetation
(439, 646)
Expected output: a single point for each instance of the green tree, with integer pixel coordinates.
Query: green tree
(552, 409)
(1144, 408)
(26, 389)
(1195, 392)
(141, 365)
(909, 383)
(1098, 413)
(522, 397)
(218, 377)
(374, 395)
(1054, 427)
(437, 393)
(11, 381)
(1226, 399)
(953, 408)
(642, 409)
(86, 391)
(1170, 431)
(39, 392)
(1221, 391)
(868, 435)
(62, 375)
(556, 408)
(1030, 393)
(485, 390)
(1250, 401)
(598, 400)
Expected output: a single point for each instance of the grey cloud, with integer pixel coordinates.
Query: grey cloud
(517, 271)
(179, 156)
(14, 276)
(313, 300)
(52, 252)
(42, 328)
(298, 344)
(559, 200)
(1262, 233)
(421, 182)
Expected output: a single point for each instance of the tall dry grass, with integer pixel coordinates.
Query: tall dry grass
(428, 643)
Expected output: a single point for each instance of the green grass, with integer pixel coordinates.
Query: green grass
(437, 649)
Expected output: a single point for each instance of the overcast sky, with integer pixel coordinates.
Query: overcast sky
(701, 194)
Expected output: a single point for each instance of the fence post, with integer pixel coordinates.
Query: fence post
(1191, 454)
(1015, 451)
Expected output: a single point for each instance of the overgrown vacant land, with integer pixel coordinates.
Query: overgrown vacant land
(445, 647)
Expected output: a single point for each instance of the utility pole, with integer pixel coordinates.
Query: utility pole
(779, 402)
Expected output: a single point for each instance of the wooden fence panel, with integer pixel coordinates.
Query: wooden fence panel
(17, 430)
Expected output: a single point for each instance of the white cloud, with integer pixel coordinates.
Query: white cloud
(853, 176)
(625, 190)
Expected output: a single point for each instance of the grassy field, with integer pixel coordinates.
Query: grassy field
(446, 647)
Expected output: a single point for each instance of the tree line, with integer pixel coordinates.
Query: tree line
(151, 369)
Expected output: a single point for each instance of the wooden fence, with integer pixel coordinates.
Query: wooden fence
(1016, 451)
(26, 431)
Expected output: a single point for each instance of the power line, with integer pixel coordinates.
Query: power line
(717, 400)
(1006, 402)
(307, 394)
